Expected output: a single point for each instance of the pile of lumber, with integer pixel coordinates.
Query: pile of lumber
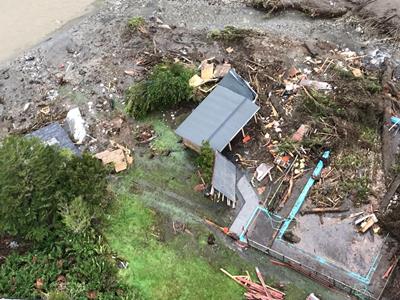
(256, 291)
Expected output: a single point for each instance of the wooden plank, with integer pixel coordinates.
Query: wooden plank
(260, 277)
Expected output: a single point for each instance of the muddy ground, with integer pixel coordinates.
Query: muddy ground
(85, 65)
(380, 15)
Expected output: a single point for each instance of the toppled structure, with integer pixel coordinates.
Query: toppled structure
(224, 180)
(221, 115)
(54, 134)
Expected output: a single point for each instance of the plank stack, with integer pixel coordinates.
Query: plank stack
(254, 290)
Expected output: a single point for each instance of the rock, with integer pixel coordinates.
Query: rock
(291, 237)
(29, 57)
(4, 74)
(211, 239)
(76, 125)
(311, 48)
(26, 106)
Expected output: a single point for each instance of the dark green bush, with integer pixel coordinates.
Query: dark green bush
(206, 161)
(82, 259)
(36, 180)
(166, 86)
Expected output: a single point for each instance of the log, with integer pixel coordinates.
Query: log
(260, 277)
(324, 210)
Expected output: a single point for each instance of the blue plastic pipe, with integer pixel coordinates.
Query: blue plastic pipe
(300, 200)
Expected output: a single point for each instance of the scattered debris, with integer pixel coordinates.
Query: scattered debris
(255, 290)
(317, 85)
(263, 170)
(366, 222)
(121, 158)
(207, 70)
(312, 297)
(300, 133)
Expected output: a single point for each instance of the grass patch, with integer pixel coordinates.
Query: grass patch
(135, 23)
(183, 267)
(166, 139)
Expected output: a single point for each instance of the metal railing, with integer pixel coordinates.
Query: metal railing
(312, 273)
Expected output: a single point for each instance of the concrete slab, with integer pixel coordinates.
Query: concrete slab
(249, 208)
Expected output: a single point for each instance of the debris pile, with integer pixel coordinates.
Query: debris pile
(120, 157)
(256, 291)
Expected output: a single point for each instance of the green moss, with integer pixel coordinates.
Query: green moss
(229, 33)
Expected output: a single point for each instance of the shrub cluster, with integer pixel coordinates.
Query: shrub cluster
(166, 86)
(57, 201)
(206, 161)
(38, 184)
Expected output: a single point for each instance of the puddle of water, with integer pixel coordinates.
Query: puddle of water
(24, 23)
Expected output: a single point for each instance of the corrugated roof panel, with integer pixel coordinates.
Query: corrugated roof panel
(224, 176)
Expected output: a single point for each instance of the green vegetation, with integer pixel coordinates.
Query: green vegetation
(74, 263)
(206, 161)
(135, 23)
(56, 202)
(166, 86)
(321, 105)
(229, 34)
(38, 180)
(372, 85)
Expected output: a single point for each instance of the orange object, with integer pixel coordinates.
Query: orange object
(246, 139)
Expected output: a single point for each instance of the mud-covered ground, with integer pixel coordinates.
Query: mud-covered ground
(92, 62)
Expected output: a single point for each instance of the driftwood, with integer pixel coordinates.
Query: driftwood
(324, 210)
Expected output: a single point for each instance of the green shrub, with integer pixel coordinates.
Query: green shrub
(83, 260)
(206, 161)
(57, 295)
(76, 216)
(36, 180)
(135, 22)
(167, 85)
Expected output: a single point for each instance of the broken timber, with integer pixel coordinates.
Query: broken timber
(324, 210)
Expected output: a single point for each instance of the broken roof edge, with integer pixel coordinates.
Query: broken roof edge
(226, 82)
(246, 83)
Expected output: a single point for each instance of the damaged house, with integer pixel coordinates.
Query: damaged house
(221, 115)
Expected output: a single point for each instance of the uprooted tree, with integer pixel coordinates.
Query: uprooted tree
(166, 86)
(41, 188)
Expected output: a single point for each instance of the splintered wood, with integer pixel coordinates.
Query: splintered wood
(121, 158)
(256, 291)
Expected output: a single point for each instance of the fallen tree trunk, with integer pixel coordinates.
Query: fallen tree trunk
(324, 210)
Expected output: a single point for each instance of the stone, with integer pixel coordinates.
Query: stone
(76, 125)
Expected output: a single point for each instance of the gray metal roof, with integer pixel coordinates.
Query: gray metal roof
(224, 176)
(218, 118)
(54, 134)
(232, 81)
